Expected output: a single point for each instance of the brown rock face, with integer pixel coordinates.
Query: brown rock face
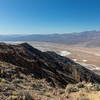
(56, 69)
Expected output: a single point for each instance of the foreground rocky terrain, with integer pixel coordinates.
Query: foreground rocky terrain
(29, 74)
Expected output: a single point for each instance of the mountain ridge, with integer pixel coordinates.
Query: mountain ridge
(57, 70)
(86, 38)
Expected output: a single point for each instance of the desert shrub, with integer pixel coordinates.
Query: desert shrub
(17, 81)
(37, 85)
(61, 91)
(28, 96)
(24, 96)
(50, 89)
(34, 85)
(15, 93)
(87, 89)
(80, 85)
(14, 98)
(97, 87)
(48, 95)
(41, 92)
(85, 98)
(72, 89)
(2, 80)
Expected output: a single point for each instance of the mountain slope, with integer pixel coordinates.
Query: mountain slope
(87, 38)
(57, 70)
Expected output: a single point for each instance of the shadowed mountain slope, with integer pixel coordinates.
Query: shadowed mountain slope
(57, 70)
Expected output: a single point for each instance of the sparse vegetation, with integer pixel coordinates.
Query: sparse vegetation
(14, 98)
(85, 98)
(80, 85)
(2, 80)
(39, 89)
(96, 87)
(22, 96)
(27, 96)
(72, 89)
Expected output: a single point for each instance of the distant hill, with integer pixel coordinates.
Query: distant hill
(87, 38)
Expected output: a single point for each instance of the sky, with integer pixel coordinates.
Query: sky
(48, 16)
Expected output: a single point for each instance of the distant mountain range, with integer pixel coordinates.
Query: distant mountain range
(87, 38)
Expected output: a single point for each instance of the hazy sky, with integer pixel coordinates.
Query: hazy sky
(48, 16)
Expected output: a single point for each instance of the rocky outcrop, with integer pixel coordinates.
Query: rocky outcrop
(57, 70)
